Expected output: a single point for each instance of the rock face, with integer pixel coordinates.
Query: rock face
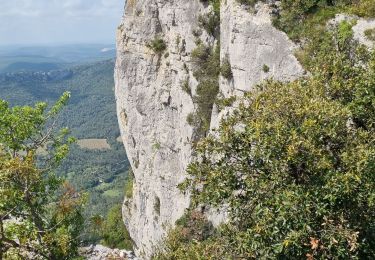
(152, 107)
(152, 111)
(255, 49)
(99, 252)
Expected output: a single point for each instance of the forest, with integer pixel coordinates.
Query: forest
(90, 114)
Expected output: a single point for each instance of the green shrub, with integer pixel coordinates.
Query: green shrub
(190, 119)
(210, 23)
(206, 60)
(221, 103)
(225, 69)
(265, 68)
(215, 5)
(370, 34)
(158, 45)
(156, 146)
(300, 18)
(207, 71)
(40, 213)
(129, 185)
(364, 8)
(200, 54)
(115, 234)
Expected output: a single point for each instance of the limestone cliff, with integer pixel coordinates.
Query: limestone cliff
(152, 107)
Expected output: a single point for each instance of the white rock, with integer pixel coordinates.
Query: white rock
(152, 110)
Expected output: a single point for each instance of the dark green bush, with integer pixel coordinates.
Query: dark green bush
(207, 70)
(114, 232)
(370, 34)
(226, 69)
(221, 103)
(210, 22)
(158, 45)
(190, 119)
(265, 68)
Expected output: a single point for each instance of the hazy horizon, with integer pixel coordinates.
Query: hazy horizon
(57, 44)
(56, 22)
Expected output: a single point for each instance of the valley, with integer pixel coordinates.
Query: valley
(97, 163)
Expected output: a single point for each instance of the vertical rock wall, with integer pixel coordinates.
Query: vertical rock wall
(152, 107)
(152, 111)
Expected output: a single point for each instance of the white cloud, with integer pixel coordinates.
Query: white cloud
(62, 7)
(75, 18)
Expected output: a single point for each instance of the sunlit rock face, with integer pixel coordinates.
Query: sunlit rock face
(152, 107)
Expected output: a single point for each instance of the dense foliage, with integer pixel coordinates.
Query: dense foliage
(111, 229)
(295, 162)
(40, 214)
(299, 18)
(91, 113)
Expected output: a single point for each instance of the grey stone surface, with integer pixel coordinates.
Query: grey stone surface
(152, 111)
(250, 43)
(99, 252)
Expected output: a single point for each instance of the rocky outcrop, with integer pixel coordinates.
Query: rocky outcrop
(99, 252)
(152, 112)
(360, 26)
(152, 107)
(255, 49)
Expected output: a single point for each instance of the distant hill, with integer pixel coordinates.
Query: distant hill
(45, 58)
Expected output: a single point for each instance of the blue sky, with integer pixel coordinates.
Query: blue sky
(31, 22)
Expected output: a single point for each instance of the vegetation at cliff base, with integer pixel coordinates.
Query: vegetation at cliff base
(40, 213)
(112, 229)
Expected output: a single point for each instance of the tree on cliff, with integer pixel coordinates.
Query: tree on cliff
(40, 214)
